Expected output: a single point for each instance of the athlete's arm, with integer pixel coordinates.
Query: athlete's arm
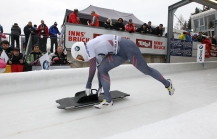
(92, 71)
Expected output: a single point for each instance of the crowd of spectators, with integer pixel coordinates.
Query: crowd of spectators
(39, 35)
(119, 25)
(188, 36)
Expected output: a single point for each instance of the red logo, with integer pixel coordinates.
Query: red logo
(144, 43)
(95, 35)
(159, 45)
(77, 36)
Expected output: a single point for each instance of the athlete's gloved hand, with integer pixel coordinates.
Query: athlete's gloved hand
(99, 91)
(88, 91)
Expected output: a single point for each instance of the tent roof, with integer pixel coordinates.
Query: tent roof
(107, 13)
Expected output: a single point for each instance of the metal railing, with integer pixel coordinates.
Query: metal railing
(23, 45)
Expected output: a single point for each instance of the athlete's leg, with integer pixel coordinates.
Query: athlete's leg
(108, 63)
(130, 50)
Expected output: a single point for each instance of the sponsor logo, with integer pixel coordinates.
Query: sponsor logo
(214, 48)
(201, 46)
(77, 48)
(144, 43)
(213, 54)
(159, 45)
(77, 36)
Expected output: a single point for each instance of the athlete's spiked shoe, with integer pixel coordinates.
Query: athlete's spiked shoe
(103, 104)
(171, 88)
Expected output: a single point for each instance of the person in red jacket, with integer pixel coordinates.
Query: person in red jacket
(43, 34)
(73, 18)
(95, 19)
(130, 27)
(208, 44)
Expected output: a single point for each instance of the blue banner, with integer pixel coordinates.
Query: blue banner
(181, 48)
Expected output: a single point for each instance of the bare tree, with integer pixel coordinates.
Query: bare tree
(176, 26)
(181, 21)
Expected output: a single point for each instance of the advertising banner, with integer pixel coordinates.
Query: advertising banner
(201, 53)
(181, 48)
(213, 51)
(147, 43)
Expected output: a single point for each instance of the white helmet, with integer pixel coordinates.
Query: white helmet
(78, 52)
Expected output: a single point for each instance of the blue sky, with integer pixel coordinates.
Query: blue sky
(13, 11)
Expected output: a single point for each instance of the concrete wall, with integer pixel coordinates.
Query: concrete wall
(36, 80)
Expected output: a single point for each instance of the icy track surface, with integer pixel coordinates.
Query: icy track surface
(191, 113)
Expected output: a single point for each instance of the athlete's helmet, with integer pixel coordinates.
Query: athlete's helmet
(78, 52)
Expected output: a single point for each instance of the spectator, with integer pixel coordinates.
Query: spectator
(33, 57)
(149, 28)
(182, 36)
(1, 29)
(208, 43)
(142, 29)
(53, 36)
(188, 36)
(94, 19)
(28, 29)
(119, 25)
(43, 34)
(130, 27)
(200, 37)
(35, 36)
(58, 58)
(17, 57)
(194, 38)
(15, 35)
(16, 61)
(73, 17)
(8, 50)
(159, 30)
(108, 23)
(214, 40)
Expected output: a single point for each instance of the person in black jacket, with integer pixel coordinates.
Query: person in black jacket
(214, 40)
(17, 57)
(142, 29)
(119, 25)
(58, 58)
(149, 28)
(29, 29)
(108, 24)
(15, 34)
(159, 30)
(8, 50)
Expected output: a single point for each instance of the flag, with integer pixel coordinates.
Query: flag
(29, 46)
(4, 56)
(45, 62)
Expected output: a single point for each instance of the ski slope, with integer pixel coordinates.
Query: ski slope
(28, 108)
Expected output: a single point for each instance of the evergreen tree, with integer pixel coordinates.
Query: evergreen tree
(184, 27)
(189, 24)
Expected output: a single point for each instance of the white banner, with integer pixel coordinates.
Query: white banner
(201, 53)
(147, 43)
(45, 62)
